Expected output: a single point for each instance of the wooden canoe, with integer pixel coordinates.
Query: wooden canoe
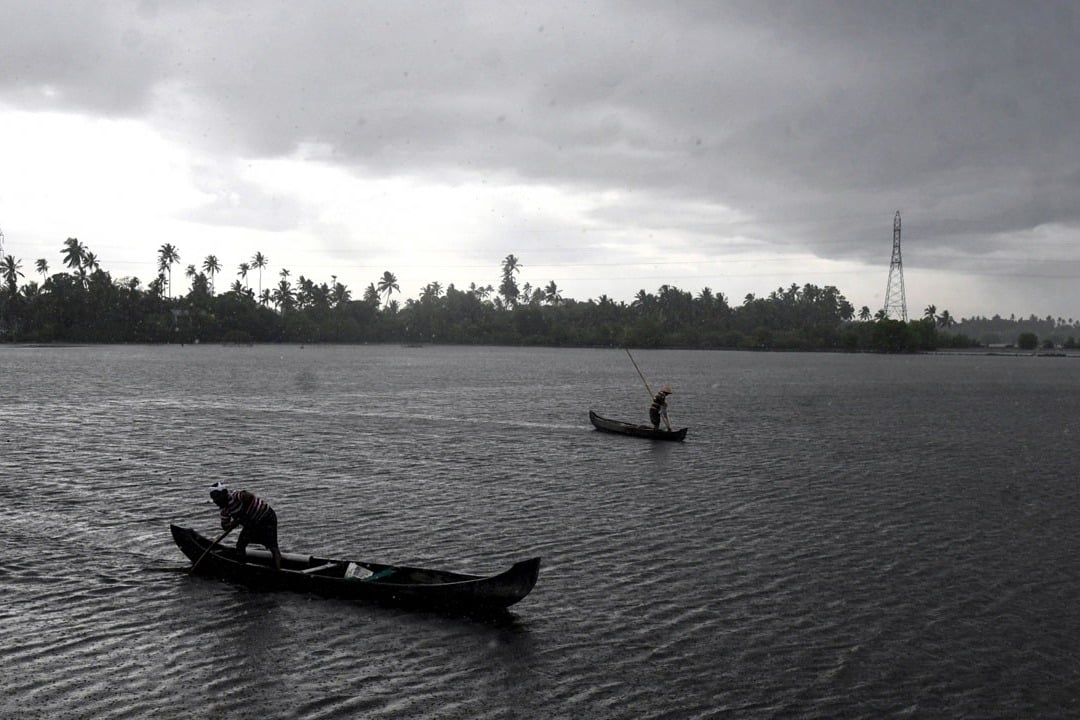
(359, 580)
(642, 431)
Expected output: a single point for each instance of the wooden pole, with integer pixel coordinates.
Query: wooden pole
(647, 388)
(207, 550)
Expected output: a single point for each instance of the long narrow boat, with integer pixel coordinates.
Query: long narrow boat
(358, 580)
(642, 431)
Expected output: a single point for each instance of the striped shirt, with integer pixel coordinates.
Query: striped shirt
(659, 404)
(244, 508)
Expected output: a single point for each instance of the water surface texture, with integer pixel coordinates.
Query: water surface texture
(851, 536)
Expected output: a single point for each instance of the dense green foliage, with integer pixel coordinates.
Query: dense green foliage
(1028, 341)
(999, 331)
(87, 305)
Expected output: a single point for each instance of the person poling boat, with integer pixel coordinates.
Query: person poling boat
(240, 507)
(658, 409)
(399, 585)
(642, 431)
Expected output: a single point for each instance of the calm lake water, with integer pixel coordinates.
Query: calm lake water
(852, 536)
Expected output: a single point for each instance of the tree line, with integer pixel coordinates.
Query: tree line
(83, 303)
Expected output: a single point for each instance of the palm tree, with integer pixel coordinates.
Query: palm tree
(191, 271)
(212, 267)
(508, 287)
(388, 284)
(931, 313)
(74, 256)
(340, 294)
(283, 295)
(90, 261)
(9, 268)
(864, 313)
(371, 295)
(643, 300)
(42, 266)
(946, 320)
(705, 301)
(73, 253)
(306, 293)
(259, 261)
(551, 294)
(244, 268)
(168, 256)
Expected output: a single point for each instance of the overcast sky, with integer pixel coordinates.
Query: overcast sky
(610, 146)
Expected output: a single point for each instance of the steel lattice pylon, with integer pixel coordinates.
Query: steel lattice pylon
(895, 302)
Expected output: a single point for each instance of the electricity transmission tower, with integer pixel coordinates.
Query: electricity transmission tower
(895, 302)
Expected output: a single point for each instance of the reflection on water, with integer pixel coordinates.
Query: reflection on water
(854, 536)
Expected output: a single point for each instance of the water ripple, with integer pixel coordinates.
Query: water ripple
(839, 536)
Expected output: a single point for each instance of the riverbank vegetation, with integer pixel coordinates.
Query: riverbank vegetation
(84, 303)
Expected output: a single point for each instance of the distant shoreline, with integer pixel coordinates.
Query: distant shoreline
(974, 352)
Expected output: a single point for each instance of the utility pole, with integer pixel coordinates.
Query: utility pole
(895, 302)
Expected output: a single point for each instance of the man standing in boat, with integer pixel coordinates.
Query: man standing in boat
(658, 409)
(239, 507)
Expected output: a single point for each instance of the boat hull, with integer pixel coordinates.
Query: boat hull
(642, 431)
(381, 583)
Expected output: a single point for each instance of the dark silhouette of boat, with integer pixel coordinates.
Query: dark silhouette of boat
(643, 431)
(360, 580)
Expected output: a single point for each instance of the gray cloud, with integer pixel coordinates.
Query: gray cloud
(814, 121)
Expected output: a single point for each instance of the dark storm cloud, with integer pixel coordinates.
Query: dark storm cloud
(813, 121)
(76, 56)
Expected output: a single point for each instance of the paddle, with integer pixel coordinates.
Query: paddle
(647, 388)
(207, 550)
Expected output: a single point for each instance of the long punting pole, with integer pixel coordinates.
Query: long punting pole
(647, 388)
(207, 550)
